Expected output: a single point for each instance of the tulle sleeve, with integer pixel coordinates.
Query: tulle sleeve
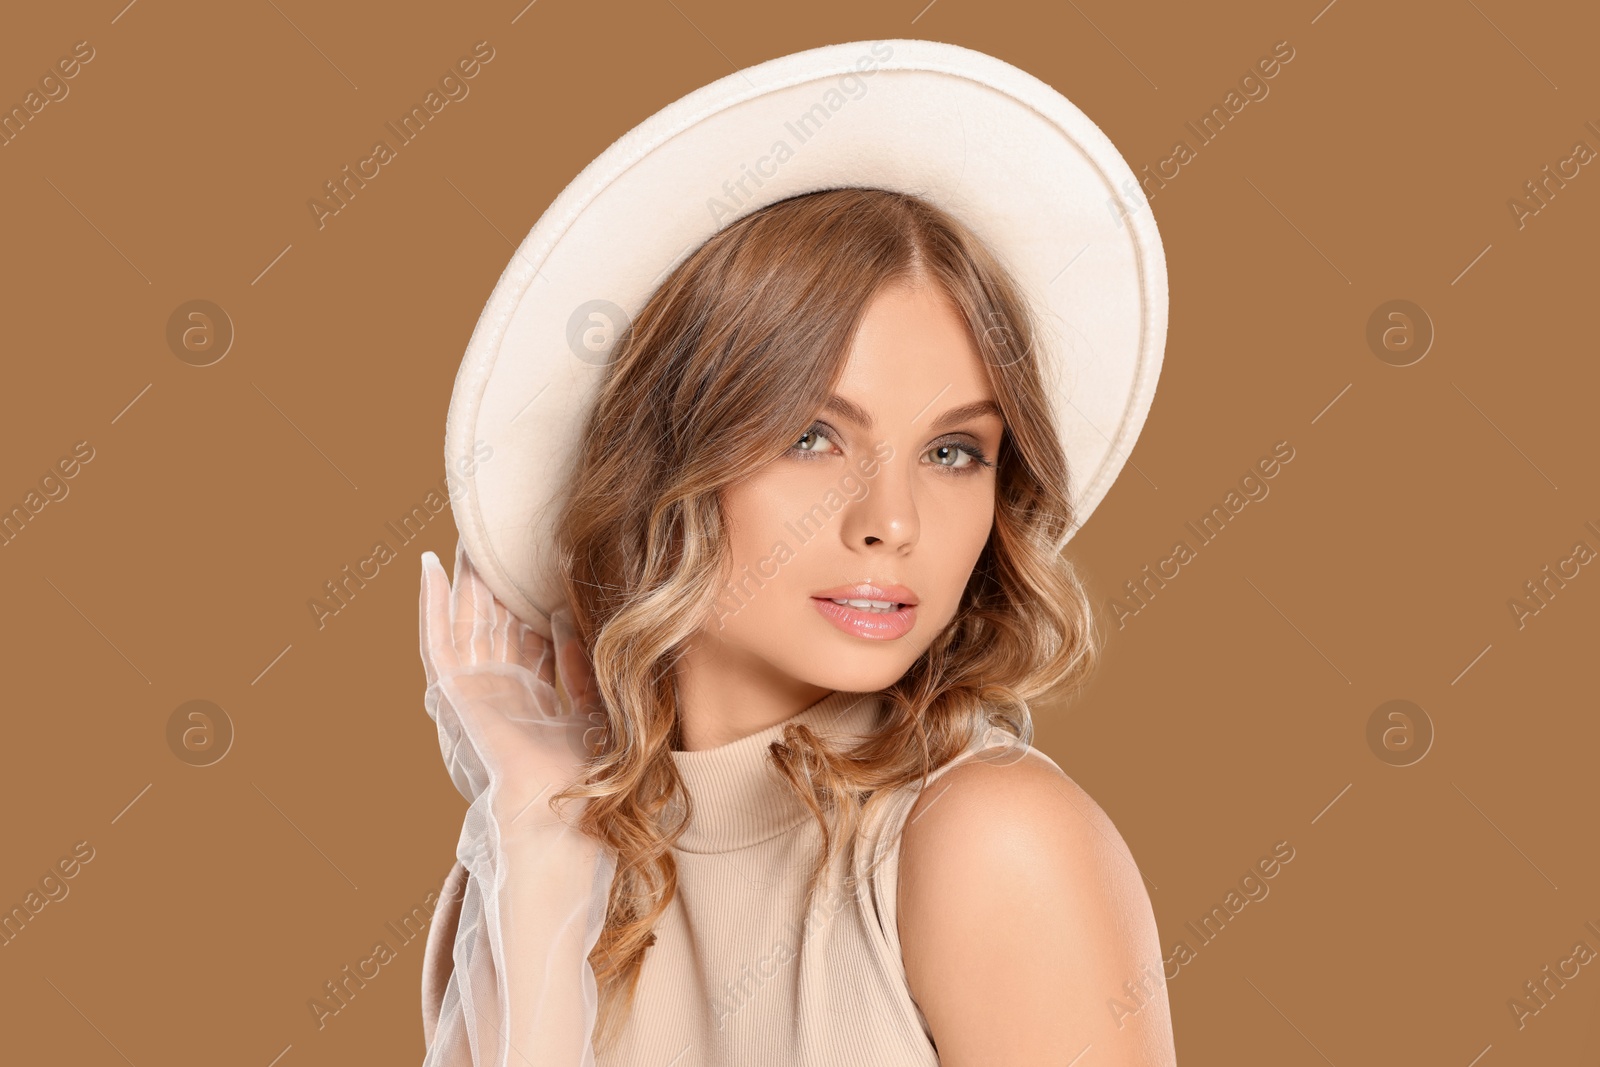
(521, 990)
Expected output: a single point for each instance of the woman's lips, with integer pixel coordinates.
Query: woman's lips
(873, 625)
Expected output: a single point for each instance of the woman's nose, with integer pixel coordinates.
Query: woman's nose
(886, 515)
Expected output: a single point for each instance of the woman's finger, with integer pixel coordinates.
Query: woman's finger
(438, 650)
(501, 625)
(469, 623)
(534, 650)
(484, 630)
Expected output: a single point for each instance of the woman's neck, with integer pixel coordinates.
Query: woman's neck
(724, 695)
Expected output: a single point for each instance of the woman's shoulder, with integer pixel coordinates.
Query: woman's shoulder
(996, 777)
(1005, 805)
(1005, 857)
(1003, 783)
(999, 799)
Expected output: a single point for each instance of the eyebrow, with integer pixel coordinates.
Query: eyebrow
(863, 418)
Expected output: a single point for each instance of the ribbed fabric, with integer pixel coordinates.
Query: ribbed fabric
(740, 974)
(737, 796)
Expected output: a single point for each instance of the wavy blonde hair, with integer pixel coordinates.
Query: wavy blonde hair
(719, 374)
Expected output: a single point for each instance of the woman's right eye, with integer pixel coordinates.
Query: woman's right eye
(813, 441)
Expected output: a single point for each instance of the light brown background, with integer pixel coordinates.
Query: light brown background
(1230, 713)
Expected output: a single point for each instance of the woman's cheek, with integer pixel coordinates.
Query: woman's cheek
(758, 511)
(784, 491)
(963, 524)
(963, 514)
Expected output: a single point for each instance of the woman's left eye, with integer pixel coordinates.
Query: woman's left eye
(957, 456)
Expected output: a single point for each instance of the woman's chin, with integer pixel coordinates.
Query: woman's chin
(864, 671)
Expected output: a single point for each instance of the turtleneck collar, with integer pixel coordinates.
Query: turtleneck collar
(738, 797)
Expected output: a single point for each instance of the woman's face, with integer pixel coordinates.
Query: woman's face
(889, 497)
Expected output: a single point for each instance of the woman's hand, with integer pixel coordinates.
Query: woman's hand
(467, 626)
(521, 990)
(503, 728)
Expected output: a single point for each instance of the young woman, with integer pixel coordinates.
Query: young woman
(812, 553)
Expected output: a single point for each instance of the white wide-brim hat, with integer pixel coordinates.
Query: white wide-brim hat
(991, 144)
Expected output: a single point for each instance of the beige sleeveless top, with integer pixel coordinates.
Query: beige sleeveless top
(741, 975)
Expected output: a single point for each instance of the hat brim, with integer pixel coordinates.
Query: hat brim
(993, 145)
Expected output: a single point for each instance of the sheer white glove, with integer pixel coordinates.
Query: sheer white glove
(522, 991)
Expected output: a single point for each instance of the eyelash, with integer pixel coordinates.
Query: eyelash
(979, 460)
